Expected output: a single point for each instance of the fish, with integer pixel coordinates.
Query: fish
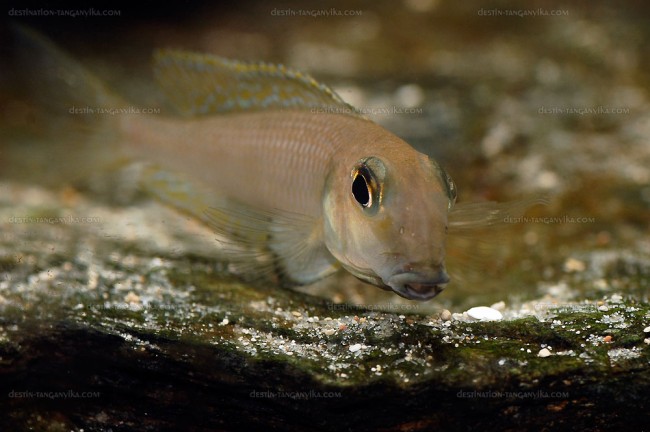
(276, 163)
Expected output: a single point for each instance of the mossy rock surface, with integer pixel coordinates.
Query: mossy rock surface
(114, 338)
(116, 314)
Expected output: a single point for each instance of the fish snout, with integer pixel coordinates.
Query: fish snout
(419, 285)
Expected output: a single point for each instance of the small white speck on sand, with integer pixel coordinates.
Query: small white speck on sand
(618, 354)
(132, 298)
(544, 352)
(572, 265)
(646, 330)
(484, 313)
(355, 347)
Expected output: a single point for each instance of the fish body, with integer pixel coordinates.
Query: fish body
(296, 162)
(279, 163)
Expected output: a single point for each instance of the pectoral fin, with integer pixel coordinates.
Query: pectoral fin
(466, 217)
(295, 241)
(475, 245)
(261, 242)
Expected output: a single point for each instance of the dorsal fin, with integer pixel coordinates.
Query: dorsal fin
(201, 84)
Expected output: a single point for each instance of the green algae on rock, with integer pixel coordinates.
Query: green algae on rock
(93, 328)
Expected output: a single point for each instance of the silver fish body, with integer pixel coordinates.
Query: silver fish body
(276, 162)
(304, 163)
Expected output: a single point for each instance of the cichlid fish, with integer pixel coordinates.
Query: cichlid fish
(279, 163)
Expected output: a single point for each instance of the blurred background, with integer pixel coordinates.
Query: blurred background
(513, 100)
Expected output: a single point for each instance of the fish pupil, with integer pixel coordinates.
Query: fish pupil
(361, 190)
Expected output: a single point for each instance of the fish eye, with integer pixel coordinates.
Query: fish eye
(367, 180)
(361, 190)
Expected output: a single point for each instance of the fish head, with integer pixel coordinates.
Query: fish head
(386, 221)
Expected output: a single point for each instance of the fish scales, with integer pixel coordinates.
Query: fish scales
(253, 157)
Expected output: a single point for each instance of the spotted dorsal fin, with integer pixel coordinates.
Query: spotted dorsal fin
(200, 84)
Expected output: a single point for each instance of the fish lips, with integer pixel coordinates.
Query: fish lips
(418, 286)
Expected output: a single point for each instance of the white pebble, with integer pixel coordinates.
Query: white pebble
(409, 96)
(646, 330)
(355, 347)
(484, 313)
(574, 265)
(500, 306)
(616, 298)
(544, 352)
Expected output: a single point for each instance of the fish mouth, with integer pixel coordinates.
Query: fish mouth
(416, 286)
